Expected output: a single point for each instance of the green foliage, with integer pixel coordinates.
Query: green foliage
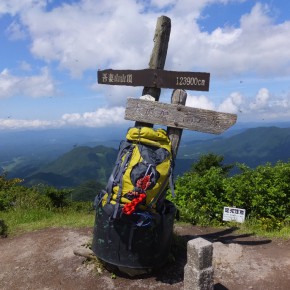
(24, 208)
(198, 197)
(5, 186)
(264, 192)
(208, 161)
(82, 206)
(8, 183)
(77, 166)
(14, 196)
(87, 190)
(201, 195)
(59, 198)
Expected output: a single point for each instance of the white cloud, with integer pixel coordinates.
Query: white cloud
(265, 106)
(102, 117)
(270, 107)
(85, 35)
(262, 108)
(200, 102)
(33, 86)
(261, 100)
(99, 32)
(15, 124)
(258, 46)
(91, 34)
(231, 104)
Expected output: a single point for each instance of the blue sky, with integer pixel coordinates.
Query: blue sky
(51, 51)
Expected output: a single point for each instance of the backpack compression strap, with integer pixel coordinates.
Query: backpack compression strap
(115, 179)
(121, 172)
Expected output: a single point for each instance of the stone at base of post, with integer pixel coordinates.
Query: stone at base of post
(198, 272)
(198, 279)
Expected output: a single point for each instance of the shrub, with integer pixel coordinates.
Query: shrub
(199, 198)
(264, 192)
(59, 198)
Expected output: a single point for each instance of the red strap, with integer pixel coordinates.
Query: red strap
(130, 207)
(142, 183)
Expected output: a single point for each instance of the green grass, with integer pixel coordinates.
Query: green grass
(26, 220)
(20, 221)
(254, 228)
(282, 232)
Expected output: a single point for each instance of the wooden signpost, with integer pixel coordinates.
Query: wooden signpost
(176, 116)
(155, 78)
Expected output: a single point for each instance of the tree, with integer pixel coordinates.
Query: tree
(87, 190)
(58, 197)
(8, 191)
(208, 161)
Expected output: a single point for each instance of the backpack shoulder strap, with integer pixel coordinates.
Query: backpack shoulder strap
(119, 167)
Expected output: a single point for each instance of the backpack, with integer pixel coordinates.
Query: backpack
(134, 221)
(141, 175)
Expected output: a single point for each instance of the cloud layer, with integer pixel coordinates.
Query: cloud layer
(34, 86)
(85, 35)
(79, 37)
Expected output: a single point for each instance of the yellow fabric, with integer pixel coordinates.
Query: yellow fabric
(149, 136)
(152, 137)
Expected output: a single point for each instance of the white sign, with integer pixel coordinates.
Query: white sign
(234, 214)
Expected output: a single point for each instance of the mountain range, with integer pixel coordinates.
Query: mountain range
(70, 165)
(253, 146)
(76, 167)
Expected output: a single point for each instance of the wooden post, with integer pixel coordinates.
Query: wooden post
(159, 52)
(158, 56)
(175, 115)
(178, 97)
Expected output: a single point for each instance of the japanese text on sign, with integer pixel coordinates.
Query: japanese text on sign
(117, 78)
(234, 214)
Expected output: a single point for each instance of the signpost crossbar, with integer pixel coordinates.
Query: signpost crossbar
(198, 81)
(178, 116)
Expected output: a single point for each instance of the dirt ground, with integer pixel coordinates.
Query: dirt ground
(45, 260)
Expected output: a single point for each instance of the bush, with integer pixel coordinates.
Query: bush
(13, 196)
(264, 192)
(199, 198)
(7, 191)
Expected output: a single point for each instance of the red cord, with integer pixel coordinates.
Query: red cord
(142, 183)
(130, 207)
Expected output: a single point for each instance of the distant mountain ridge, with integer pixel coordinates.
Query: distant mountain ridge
(254, 146)
(78, 166)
